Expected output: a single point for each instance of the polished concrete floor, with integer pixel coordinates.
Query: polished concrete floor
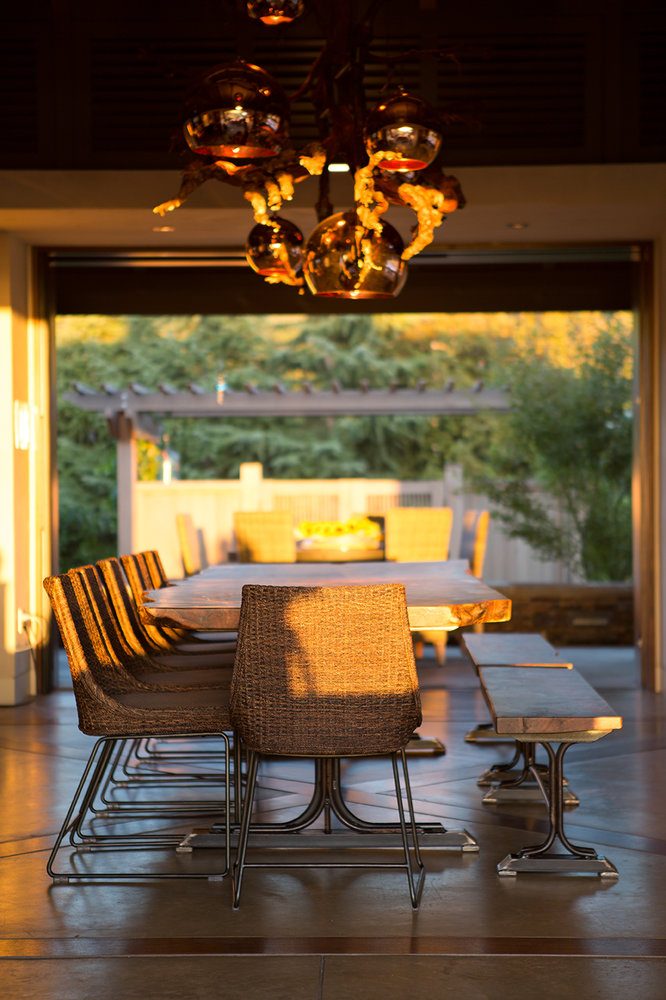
(324, 935)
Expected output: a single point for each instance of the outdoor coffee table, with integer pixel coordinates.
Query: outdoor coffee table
(440, 595)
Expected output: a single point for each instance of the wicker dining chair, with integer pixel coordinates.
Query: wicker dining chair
(116, 710)
(417, 534)
(326, 672)
(159, 579)
(265, 536)
(127, 653)
(172, 639)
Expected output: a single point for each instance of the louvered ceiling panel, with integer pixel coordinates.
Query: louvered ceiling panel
(138, 86)
(652, 93)
(86, 86)
(20, 118)
(518, 93)
(290, 62)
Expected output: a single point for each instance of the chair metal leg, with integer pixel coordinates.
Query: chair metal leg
(415, 869)
(101, 746)
(248, 800)
(415, 878)
(104, 751)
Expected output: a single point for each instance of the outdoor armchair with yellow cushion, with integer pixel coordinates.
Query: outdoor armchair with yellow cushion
(190, 547)
(417, 534)
(265, 536)
(473, 543)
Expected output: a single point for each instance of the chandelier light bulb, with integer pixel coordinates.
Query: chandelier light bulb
(405, 126)
(237, 111)
(275, 11)
(345, 261)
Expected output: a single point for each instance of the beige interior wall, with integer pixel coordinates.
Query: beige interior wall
(24, 475)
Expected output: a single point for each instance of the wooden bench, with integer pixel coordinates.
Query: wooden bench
(516, 649)
(557, 709)
(512, 650)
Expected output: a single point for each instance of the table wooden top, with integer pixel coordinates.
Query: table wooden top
(440, 595)
(524, 701)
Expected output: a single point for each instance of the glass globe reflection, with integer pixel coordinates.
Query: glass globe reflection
(406, 127)
(237, 111)
(275, 251)
(343, 260)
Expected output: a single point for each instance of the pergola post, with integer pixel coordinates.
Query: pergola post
(126, 477)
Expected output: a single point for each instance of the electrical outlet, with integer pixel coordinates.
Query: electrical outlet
(22, 619)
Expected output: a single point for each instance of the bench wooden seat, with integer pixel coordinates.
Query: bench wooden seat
(511, 649)
(554, 708)
(506, 649)
(512, 780)
(559, 702)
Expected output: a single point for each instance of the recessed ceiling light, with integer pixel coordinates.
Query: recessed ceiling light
(164, 229)
(338, 168)
(517, 225)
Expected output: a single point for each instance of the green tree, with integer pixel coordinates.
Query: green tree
(564, 434)
(557, 468)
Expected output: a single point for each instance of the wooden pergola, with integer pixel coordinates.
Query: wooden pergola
(133, 413)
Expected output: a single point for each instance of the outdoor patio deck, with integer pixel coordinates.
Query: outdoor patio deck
(317, 934)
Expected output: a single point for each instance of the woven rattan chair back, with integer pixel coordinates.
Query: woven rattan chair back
(122, 599)
(190, 547)
(95, 709)
(156, 569)
(138, 577)
(95, 677)
(417, 534)
(474, 539)
(324, 671)
(122, 645)
(265, 536)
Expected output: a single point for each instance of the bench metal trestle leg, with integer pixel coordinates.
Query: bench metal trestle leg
(541, 857)
(525, 785)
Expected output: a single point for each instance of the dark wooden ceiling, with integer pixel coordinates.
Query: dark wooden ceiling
(94, 86)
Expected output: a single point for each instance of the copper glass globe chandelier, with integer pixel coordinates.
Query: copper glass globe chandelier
(236, 123)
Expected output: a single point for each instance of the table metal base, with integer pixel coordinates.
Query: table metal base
(557, 864)
(431, 835)
(485, 732)
(327, 799)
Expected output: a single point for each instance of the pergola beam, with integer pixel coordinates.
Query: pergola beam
(310, 402)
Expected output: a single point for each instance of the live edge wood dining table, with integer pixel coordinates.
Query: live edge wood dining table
(440, 595)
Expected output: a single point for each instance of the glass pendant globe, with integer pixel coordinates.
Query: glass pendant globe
(406, 128)
(275, 11)
(342, 260)
(237, 112)
(275, 251)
